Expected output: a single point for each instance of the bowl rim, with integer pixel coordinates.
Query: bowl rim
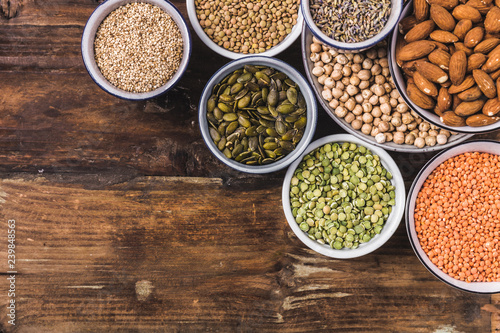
(392, 223)
(400, 84)
(283, 45)
(481, 145)
(405, 148)
(87, 51)
(296, 76)
(359, 46)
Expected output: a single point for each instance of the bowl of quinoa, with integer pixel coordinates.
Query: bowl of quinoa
(136, 50)
(453, 216)
(236, 29)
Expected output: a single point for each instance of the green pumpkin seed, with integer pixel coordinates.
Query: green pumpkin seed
(231, 128)
(245, 77)
(225, 107)
(285, 108)
(244, 102)
(230, 117)
(291, 95)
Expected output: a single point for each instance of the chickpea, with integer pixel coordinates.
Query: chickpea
(349, 118)
(403, 128)
(441, 139)
(319, 63)
(402, 108)
(315, 47)
(364, 75)
(357, 124)
(352, 90)
(328, 69)
(359, 98)
(407, 118)
(383, 126)
(339, 85)
(336, 74)
(358, 110)
(411, 126)
(333, 52)
(354, 80)
(419, 142)
(373, 100)
(395, 94)
(385, 107)
(366, 129)
(367, 107)
(344, 97)
(374, 131)
(384, 62)
(379, 79)
(388, 88)
(388, 136)
(327, 94)
(358, 58)
(376, 112)
(376, 69)
(387, 72)
(371, 53)
(393, 102)
(379, 90)
(350, 104)
(383, 99)
(322, 79)
(337, 93)
(326, 57)
(364, 84)
(424, 126)
(356, 68)
(341, 112)
(347, 71)
(329, 83)
(342, 59)
(386, 117)
(366, 93)
(345, 81)
(445, 133)
(334, 103)
(380, 138)
(317, 71)
(376, 121)
(430, 140)
(367, 63)
(338, 66)
(423, 134)
(395, 121)
(398, 137)
(367, 118)
(409, 139)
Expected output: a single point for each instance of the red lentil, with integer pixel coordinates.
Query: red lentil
(457, 217)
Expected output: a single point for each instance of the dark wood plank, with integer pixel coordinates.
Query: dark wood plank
(191, 254)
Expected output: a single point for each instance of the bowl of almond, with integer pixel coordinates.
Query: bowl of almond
(445, 61)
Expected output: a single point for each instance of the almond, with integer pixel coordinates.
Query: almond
(458, 67)
(438, 112)
(443, 101)
(425, 86)
(462, 47)
(455, 102)
(440, 58)
(420, 10)
(482, 6)
(492, 20)
(475, 61)
(474, 37)
(400, 42)
(420, 31)
(443, 19)
(462, 12)
(493, 61)
(487, 45)
(491, 107)
(410, 67)
(406, 24)
(469, 108)
(462, 28)
(416, 50)
(446, 4)
(495, 75)
(431, 72)
(466, 84)
(441, 46)
(451, 119)
(443, 36)
(470, 94)
(419, 98)
(480, 119)
(485, 83)
(497, 85)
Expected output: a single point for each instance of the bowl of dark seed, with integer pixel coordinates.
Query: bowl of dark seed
(136, 50)
(343, 197)
(257, 114)
(235, 29)
(351, 26)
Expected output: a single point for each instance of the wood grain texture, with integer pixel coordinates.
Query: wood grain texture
(127, 223)
(212, 258)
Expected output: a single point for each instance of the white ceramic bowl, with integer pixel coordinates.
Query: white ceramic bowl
(392, 222)
(307, 38)
(287, 41)
(399, 81)
(294, 75)
(87, 47)
(396, 8)
(486, 146)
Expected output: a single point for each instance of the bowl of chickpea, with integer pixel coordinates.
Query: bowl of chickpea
(357, 91)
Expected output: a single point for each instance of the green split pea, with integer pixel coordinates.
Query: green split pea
(341, 195)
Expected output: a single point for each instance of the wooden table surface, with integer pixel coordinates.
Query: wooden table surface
(124, 221)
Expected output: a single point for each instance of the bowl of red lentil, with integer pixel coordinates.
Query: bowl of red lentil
(453, 216)
(351, 26)
(235, 29)
(136, 50)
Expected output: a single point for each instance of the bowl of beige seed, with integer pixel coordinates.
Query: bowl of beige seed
(136, 50)
(236, 29)
(357, 91)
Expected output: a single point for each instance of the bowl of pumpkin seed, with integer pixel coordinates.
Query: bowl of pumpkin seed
(257, 114)
(343, 198)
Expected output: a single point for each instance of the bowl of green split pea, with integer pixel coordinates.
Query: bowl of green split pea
(343, 198)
